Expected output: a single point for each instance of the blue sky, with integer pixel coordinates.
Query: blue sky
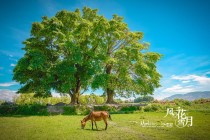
(178, 29)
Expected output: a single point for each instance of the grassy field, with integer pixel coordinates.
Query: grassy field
(122, 126)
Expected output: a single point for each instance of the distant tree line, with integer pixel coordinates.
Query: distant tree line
(144, 98)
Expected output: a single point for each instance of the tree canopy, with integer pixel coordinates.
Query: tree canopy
(73, 51)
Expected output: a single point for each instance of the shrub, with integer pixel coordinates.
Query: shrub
(91, 99)
(69, 110)
(144, 98)
(8, 109)
(129, 108)
(1, 102)
(29, 99)
(99, 100)
(83, 110)
(152, 108)
(110, 109)
(83, 99)
(188, 103)
(34, 109)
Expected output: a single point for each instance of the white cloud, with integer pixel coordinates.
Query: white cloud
(7, 95)
(187, 81)
(12, 65)
(8, 84)
(181, 84)
(202, 80)
(179, 89)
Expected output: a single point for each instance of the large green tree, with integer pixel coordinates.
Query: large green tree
(129, 68)
(63, 54)
(73, 51)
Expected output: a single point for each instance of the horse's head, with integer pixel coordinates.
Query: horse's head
(83, 123)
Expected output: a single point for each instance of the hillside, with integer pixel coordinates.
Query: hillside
(190, 96)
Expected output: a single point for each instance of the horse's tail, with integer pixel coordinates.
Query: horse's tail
(110, 117)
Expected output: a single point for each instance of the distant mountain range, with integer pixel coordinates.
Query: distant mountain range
(190, 96)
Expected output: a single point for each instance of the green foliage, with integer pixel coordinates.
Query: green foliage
(99, 100)
(154, 107)
(63, 53)
(128, 109)
(182, 102)
(29, 99)
(76, 110)
(110, 109)
(40, 109)
(119, 100)
(128, 70)
(144, 98)
(84, 99)
(82, 110)
(91, 99)
(201, 101)
(69, 110)
(1, 102)
(72, 51)
(34, 109)
(7, 109)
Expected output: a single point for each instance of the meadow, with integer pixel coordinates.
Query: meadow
(122, 126)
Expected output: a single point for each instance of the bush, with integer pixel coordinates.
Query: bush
(29, 99)
(153, 108)
(110, 109)
(83, 99)
(35, 109)
(83, 110)
(8, 109)
(99, 100)
(1, 102)
(69, 110)
(144, 98)
(188, 103)
(129, 108)
(91, 99)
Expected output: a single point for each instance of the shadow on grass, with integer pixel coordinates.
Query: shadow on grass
(94, 129)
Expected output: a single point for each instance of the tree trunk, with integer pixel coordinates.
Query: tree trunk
(110, 96)
(75, 93)
(74, 98)
(110, 92)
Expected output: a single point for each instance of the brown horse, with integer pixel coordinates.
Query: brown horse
(96, 116)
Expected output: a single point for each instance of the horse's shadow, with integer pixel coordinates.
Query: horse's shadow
(94, 129)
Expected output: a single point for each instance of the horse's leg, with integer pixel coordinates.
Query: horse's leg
(96, 125)
(105, 121)
(92, 124)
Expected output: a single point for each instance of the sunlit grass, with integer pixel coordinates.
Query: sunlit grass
(123, 126)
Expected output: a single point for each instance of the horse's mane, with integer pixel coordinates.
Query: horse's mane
(85, 118)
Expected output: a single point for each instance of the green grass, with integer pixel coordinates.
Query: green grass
(123, 126)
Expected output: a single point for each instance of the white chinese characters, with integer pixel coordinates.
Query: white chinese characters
(182, 119)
